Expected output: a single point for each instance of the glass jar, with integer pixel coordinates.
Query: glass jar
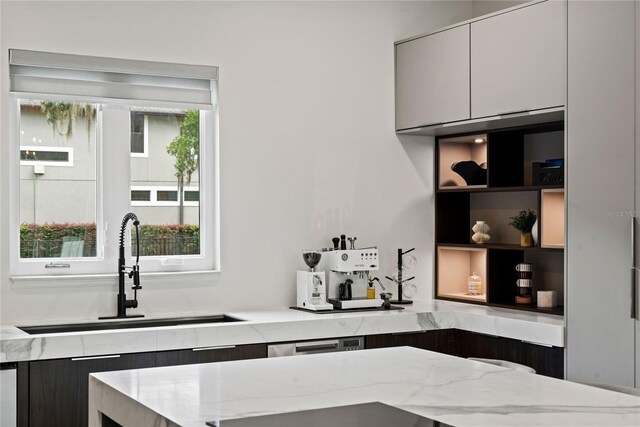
(474, 282)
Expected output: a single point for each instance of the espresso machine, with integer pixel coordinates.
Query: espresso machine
(348, 277)
(312, 287)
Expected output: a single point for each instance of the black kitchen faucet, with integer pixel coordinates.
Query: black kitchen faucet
(134, 273)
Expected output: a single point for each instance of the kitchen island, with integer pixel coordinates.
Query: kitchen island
(448, 389)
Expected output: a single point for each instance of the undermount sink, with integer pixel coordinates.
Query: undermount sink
(126, 324)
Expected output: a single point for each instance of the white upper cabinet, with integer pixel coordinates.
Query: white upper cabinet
(432, 79)
(517, 60)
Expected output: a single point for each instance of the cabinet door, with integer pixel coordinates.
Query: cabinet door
(435, 340)
(517, 60)
(432, 79)
(600, 191)
(58, 389)
(187, 357)
(548, 361)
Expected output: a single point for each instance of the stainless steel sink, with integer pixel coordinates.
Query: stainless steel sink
(126, 324)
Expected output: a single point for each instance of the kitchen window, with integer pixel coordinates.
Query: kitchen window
(133, 136)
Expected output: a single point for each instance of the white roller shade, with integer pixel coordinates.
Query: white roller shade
(55, 75)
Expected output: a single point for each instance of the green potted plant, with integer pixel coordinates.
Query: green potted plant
(523, 222)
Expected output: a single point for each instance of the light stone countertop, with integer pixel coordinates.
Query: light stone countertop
(283, 324)
(449, 389)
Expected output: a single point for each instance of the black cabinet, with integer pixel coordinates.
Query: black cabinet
(55, 392)
(435, 340)
(548, 361)
(220, 354)
(58, 389)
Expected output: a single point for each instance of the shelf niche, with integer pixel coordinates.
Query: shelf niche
(513, 156)
(455, 265)
(460, 149)
(552, 219)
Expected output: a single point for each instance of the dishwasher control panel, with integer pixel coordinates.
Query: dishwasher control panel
(315, 347)
(352, 343)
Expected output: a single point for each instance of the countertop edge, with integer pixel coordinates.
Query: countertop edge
(281, 325)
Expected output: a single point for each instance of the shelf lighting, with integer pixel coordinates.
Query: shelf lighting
(478, 140)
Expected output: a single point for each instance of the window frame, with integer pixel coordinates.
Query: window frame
(68, 150)
(145, 137)
(111, 205)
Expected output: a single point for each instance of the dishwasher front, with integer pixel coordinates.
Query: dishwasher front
(315, 347)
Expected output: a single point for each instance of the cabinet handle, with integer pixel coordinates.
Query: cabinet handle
(632, 311)
(110, 356)
(409, 332)
(507, 113)
(431, 124)
(213, 347)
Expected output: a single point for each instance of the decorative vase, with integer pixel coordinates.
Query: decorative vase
(480, 230)
(526, 239)
(534, 232)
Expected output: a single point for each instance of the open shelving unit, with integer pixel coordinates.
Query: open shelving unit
(508, 156)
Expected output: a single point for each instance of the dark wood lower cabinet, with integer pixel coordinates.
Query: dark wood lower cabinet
(57, 393)
(436, 340)
(188, 357)
(548, 361)
(58, 389)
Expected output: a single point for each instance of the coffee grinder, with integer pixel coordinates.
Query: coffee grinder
(312, 288)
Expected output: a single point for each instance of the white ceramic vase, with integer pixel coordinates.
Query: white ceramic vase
(480, 230)
(534, 232)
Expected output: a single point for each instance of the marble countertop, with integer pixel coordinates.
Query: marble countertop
(283, 324)
(449, 389)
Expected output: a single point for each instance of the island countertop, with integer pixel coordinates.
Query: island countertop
(283, 324)
(449, 389)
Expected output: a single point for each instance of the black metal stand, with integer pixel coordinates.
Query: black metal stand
(400, 280)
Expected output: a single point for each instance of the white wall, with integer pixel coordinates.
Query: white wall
(308, 149)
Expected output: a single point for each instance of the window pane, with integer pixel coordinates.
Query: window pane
(44, 156)
(137, 132)
(191, 196)
(140, 195)
(57, 202)
(167, 196)
(169, 227)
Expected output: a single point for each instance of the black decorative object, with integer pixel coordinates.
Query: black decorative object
(471, 172)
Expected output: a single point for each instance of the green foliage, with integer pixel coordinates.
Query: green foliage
(49, 238)
(62, 115)
(524, 221)
(57, 231)
(169, 230)
(185, 147)
(156, 239)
